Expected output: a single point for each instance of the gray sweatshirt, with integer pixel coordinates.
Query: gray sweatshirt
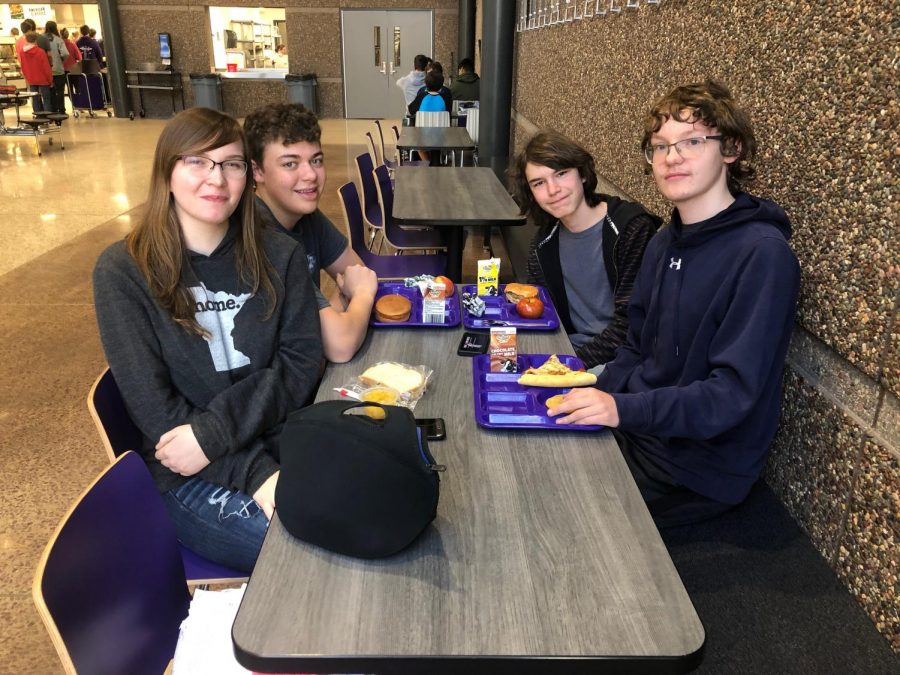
(235, 387)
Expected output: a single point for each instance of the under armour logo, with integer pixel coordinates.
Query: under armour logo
(674, 264)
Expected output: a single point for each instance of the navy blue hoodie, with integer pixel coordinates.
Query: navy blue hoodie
(710, 320)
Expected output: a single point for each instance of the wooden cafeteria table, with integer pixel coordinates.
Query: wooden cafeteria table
(542, 558)
(435, 138)
(452, 197)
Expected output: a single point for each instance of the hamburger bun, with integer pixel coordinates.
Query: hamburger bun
(515, 292)
(392, 308)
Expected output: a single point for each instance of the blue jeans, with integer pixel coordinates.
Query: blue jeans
(224, 526)
(44, 102)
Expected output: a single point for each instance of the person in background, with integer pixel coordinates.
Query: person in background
(289, 168)
(59, 53)
(436, 68)
(28, 26)
(693, 397)
(90, 50)
(37, 73)
(14, 32)
(467, 86)
(280, 59)
(74, 57)
(411, 83)
(102, 54)
(588, 246)
(209, 326)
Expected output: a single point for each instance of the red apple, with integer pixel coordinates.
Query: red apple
(530, 308)
(448, 285)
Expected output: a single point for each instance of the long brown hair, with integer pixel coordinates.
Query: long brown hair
(157, 244)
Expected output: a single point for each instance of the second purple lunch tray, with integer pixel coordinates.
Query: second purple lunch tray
(414, 295)
(502, 403)
(498, 311)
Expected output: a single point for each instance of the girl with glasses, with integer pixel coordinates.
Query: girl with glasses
(211, 331)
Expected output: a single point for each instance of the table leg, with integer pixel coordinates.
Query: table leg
(454, 253)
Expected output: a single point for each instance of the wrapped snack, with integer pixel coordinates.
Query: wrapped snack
(473, 304)
(409, 382)
(383, 395)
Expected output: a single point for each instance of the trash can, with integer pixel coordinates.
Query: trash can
(302, 89)
(207, 90)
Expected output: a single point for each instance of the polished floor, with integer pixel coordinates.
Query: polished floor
(60, 211)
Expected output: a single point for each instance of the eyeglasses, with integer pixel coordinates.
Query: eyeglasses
(689, 148)
(201, 166)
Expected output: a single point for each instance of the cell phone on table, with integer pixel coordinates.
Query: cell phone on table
(433, 427)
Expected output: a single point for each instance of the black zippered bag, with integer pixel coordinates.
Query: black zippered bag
(355, 485)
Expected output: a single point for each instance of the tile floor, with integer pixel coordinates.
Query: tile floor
(61, 210)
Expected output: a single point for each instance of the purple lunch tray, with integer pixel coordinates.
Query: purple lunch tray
(414, 295)
(498, 309)
(502, 403)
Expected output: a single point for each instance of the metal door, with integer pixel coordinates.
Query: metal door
(378, 49)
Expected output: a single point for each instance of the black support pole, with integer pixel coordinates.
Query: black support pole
(115, 56)
(466, 42)
(497, 43)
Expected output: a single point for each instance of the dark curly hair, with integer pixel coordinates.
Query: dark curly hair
(554, 150)
(711, 103)
(284, 122)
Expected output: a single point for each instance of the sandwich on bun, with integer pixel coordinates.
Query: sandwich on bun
(392, 309)
(515, 292)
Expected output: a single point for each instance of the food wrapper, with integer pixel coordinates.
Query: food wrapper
(406, 397)
(422, 282)
(473, 304)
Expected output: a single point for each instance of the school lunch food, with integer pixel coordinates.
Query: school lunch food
(530, 308)
(552, 373)
(392, 308)
(515, 292)
(383, 395)
(395, 376)
(554, 401)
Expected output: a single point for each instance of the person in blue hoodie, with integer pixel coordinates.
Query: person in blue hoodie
(693, 397)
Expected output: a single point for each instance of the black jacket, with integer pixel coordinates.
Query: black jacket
(627, 228)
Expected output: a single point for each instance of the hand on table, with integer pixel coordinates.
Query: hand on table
(265, 495)
(586, 405)
(179, 451)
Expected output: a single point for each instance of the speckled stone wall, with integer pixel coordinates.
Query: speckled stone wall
(314, 43)
(820, 80)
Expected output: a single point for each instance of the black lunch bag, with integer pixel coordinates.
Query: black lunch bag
(355, 485)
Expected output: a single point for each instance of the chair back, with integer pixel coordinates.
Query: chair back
(372, 149)
(385, 193)
(110, 585)
(381, 140)
(385, 266)
(472, 124)
(433, 119)
(370, 205)
(354, 217)
(117, 431)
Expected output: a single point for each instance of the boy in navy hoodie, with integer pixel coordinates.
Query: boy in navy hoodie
(694, 395)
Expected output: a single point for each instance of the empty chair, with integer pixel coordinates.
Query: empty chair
(110, 585)
(370, 207)
(385, 266)
(390, 164)
(373, 150)
(400, 239)
(118, 434)
(409, 162)
(433, 119)
(472, 129)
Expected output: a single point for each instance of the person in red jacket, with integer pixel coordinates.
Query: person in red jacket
(37, 72)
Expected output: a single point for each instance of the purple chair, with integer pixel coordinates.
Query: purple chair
(371, 209)
(110, 585)
(402, 239)
(385, 266)
(119, 434)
